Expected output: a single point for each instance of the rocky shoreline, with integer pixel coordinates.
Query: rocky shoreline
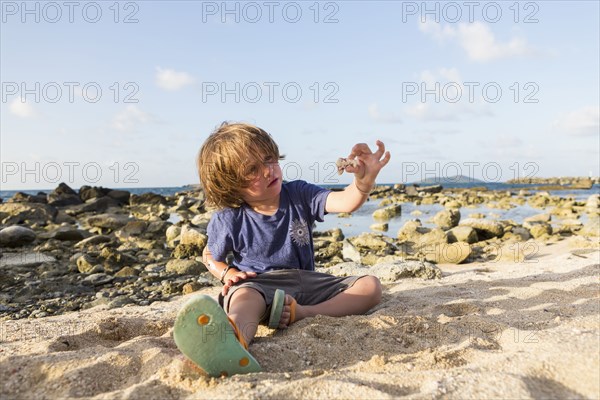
(70, 250)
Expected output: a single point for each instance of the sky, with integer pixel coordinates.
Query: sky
(122, 94)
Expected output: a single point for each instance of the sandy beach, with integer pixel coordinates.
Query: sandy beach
(484, 330)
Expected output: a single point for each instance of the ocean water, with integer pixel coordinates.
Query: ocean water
(362, 219)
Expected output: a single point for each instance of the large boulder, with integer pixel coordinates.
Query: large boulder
(191, 235)
(21, 197)
(388, 212)
(486, 229)
(108, 221)
(447, 219)
(86, 192)
(185, 267)
(462, 234)
(62, 196)
(27, 213)
(148, 198)
(15, 236)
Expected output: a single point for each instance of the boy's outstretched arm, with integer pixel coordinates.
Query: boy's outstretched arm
(369, 165)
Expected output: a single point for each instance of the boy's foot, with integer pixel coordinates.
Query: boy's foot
(205, 334)
(283, 310)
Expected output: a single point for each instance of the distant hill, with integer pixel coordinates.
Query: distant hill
(449, 179)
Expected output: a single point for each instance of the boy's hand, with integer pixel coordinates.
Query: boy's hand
(369, 163)
(234, 276)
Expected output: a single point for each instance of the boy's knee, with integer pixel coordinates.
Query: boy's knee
(372, 286)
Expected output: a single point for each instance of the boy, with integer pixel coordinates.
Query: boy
(268, 227)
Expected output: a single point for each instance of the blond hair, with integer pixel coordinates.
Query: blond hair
(230, 158)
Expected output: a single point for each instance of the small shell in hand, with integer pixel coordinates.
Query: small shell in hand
(342, 163)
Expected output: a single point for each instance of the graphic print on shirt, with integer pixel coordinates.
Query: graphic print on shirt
(299, 232)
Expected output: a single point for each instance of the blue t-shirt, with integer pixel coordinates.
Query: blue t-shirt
(263, 243)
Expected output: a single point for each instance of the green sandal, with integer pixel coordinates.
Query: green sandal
(204, 333)
(277, 309)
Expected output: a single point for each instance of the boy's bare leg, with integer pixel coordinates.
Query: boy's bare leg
(358, 299)
(245, 309)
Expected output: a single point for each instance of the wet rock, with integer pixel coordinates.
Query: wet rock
(62, 196)
(447, 219)
(122, 196)
(388, 212)
(462, 234)
(16, 236)
(185, 267)
(485, 229)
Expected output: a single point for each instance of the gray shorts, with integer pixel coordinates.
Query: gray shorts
(307, 287)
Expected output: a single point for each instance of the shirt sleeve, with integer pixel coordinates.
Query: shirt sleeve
(314, 197)
(219, 237)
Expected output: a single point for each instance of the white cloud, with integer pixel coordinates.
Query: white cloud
(128, 119)
(376, 115)
(478, 41)
(508, 141)
(21, 109)
(171, 80)
(582, 122)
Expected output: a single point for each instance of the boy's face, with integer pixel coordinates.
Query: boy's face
(265, 181)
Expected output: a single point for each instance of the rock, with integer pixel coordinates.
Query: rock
(126, 272)
(462, 234)
(388, 272)
(108, 221)
(94, 240)
(96, 205)
(350, 252)
(114, 260)
(63, 195)
(447, 253)
(148, 198)
(430, 189)
(191, 287)
(447, 219)
(21, 197)
(538, 229)
(183, 251)
(411, 231)
(25, 260)
(382, 227)
(122, 196)
(388, 212)
(15, 236)
(19, 213)
(485, 229)
(190, 235)
(434, 236)
(539, 218)
(591, 228)
(68, 234)
(97, 279)
(132, 228)
(185, 267)
(201, 221)
(86, 192)
(344, 215)
(173, 234)
(86, 263)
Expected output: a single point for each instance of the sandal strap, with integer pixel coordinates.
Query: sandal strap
(238, 334)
